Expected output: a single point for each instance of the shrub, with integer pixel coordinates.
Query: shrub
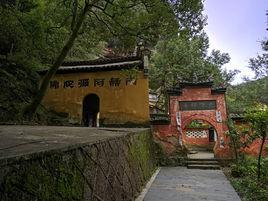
(245, 181)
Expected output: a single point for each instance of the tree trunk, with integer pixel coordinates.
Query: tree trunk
(235, 149)
(259, 158)
(31, 109)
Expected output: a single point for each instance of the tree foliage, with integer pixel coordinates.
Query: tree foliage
(182, 59)
(47, 32)
(259, 64)
(189, 16)
(240, 138)
(258, 116)
(34, 32)
(185, 56)
(248, 94)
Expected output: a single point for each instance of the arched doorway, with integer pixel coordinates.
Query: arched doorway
(91, 108)
(199, 134)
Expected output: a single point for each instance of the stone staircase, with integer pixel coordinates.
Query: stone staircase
(202, 163)
(201, 159)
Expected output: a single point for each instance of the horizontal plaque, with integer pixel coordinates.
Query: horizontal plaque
(197, 105)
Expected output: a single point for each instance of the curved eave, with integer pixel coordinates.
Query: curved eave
(195, 84)
(97, 68)
(218, 91)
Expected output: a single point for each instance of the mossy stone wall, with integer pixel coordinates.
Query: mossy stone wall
(113, 169)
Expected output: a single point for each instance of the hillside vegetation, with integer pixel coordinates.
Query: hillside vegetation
(18, 85)
(247, 94)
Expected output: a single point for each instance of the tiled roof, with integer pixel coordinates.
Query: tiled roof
(102, 64)
(218, 90)
(161, 119)
(177, 90)
(193, 84)
(102, 61)
(174, 91)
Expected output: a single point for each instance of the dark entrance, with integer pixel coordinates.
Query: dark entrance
(91, 108)
(211, 135)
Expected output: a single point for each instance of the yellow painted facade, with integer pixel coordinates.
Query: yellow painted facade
(119, 105)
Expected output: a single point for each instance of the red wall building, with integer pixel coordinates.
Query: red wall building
(190, 102)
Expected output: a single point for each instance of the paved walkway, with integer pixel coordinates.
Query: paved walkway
(182, 184)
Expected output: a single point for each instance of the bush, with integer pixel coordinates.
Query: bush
(237, 170)
(245, 166)
(245, 181)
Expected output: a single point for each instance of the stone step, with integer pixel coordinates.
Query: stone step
(197, 148)
(204, 167)
(200, 149)
(204, 162)
(202, 159)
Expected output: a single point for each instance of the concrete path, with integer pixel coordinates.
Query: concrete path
(182, 184)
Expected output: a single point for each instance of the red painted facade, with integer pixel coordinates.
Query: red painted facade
(174, 134)
(254, 148)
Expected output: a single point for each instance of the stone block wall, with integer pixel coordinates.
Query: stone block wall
(113, 169)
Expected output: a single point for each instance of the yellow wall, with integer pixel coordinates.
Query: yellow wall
(118, 104)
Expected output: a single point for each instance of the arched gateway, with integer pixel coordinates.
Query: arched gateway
(196, 102)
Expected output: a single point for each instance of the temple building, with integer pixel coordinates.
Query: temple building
(196, 119)
(102, 92)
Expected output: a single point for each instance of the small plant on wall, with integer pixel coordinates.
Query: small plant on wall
(198, 124)
(131, 75)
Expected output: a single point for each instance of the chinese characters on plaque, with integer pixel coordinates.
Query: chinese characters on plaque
(83, 83)
(68, 84)
(197, 105)
(114, 82)
(97, 82)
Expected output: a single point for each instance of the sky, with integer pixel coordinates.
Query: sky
(237, 27)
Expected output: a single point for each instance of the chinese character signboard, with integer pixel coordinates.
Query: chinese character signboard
(197, 105)
(97, 82)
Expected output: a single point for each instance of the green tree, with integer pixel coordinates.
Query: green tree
(185, 56)
(240, 138)
(190, 18)
(216, 60)
(235, 137)
(245, 95)
(21, 28)
(259, 121)
(175, 59)
(89, 22)
(182, 59)
(259, 64)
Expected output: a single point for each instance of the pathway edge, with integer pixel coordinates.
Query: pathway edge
(148, 185)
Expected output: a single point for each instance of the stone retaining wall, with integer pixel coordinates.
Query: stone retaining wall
(111, 169)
